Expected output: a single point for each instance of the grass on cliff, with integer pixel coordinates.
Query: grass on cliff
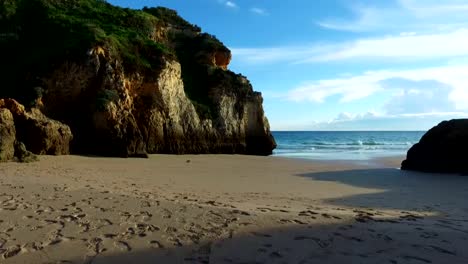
(72, 27)
(38, 35)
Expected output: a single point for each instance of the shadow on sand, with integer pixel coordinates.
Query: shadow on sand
(399, 190)
(433, 239)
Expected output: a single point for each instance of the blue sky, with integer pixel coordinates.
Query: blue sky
(343, 64)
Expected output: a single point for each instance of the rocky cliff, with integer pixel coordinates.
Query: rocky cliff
(128, 82)
(442, 149)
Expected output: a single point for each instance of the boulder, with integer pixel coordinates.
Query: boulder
(22, 154)
(7, 135)
(40, 134)
(443, 149)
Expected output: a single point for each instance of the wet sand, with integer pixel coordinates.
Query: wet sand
(229, 209)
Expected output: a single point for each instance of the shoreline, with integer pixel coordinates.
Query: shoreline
(379, 161)
(228, 209)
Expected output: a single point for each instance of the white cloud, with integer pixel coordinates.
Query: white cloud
(349, 89)
(428, 46)
(435, 7)
(418, 97)
(428, 15)
(379, 122)
(228, 4)
(438, 87)
(231, 4)
(406, 46)
(291, 54)
(258, 11)
(368, 19)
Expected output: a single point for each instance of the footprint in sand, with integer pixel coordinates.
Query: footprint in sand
(349, 227)
(147, 227)
(145, 215)
(357, 239)
(85, 226)
(175, 241)
(429, 235)
(156, 244)
(12, 251)
(53, 241)
(436, 248)
(276, 254)
(32, 246)
(363, 218)
(417, 258)
(100, 223)
(330, 216)
(320, 243)
(266, 209)
(166, 214)
(308, 213)
(122, 245)
(2, 242)
(384, 237)
(240, 212)
(109, 236)
(410, 217)
(299, 222)
(260, 234)
(95, 245)
(145, 204)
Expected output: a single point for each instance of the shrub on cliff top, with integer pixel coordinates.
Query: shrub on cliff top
(171, 17)
(36, 35)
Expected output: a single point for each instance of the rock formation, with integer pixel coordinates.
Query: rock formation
(147, 83)
(7, 135)
(442, 149)
(31, 130)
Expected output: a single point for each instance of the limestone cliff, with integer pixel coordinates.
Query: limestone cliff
(163, 88)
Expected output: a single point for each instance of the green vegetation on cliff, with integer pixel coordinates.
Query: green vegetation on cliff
(38, 35)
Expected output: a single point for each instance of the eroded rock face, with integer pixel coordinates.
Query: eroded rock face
(217, 58)
(40, 134)
(442, 149)
(7, 135)
(146, 82)
(117, 114)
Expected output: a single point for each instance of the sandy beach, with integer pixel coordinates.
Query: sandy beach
(229, 209)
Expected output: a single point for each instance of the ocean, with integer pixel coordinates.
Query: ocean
(344, 145)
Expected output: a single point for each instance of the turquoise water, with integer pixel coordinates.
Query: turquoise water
(346, 145)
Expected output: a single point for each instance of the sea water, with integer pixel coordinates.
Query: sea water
(346, 145)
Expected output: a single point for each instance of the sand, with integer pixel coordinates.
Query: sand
(229, 209)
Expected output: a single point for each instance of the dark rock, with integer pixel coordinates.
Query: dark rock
(22, 154)
(42, 135)
(443, 149)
